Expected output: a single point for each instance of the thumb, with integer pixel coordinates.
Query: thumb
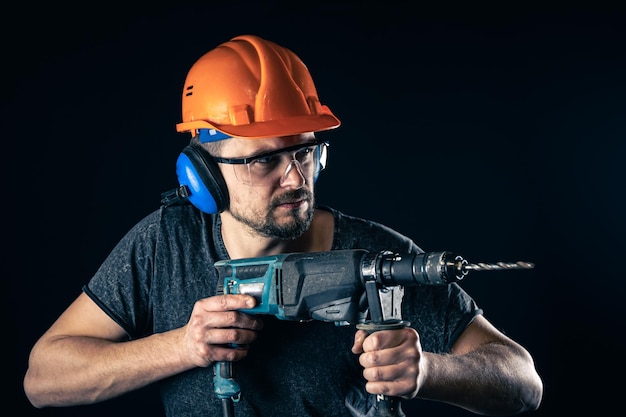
(359, 337)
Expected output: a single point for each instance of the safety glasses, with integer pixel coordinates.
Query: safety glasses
(267, 168)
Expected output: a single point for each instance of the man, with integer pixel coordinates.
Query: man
(153, 312)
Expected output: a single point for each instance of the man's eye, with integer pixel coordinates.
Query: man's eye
(302, 154)
(266, 160)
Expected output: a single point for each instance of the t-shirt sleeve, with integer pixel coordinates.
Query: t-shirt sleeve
(121, 285)
(439, 314)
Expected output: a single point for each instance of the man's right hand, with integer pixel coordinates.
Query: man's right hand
(215, 326)
(86, 357)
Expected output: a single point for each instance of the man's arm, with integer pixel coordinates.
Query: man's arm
(85, 357)
(486, 372)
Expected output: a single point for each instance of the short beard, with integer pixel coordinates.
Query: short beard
(268, 228)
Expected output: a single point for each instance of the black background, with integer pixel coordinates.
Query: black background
(490, 130)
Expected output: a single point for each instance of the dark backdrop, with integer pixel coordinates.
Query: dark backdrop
(497, 132)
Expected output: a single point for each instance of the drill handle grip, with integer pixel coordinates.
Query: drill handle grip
(385, 406)
(224, 384)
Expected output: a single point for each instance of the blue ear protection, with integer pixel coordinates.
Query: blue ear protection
(200, 174)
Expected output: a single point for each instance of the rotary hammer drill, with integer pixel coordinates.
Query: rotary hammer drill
(341, 286)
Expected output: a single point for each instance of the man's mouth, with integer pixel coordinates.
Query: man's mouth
(291, 204)
(291, 201)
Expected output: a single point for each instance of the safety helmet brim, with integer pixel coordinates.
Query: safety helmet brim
(273, 128)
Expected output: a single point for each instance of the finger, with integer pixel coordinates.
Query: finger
(388, 373)
(230, 337)
(222, 328)
(226, 302)
(226, 353)
(359, 337)
(407, 354)
(219, 344)
(387, 339)
(404, 388)
(216, 353)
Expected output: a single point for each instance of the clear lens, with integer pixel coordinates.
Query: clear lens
(267, 170)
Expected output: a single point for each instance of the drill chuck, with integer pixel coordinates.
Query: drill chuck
(430, 268)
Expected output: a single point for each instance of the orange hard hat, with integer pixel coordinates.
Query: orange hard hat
(252, 88)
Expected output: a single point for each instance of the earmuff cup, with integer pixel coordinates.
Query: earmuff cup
(201, 175)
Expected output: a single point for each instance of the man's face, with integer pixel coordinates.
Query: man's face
(282, 208)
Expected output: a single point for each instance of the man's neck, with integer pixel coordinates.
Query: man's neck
(243, 242)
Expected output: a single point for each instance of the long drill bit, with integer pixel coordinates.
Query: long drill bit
(482, 266)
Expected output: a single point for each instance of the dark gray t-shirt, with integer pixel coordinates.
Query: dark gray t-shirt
(151, 279)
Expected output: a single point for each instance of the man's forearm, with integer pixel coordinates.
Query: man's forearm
(495, 379)
(73, 370)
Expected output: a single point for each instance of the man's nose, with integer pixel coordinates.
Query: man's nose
(293, 176)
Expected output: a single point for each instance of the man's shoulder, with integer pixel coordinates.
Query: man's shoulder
(170, 218)
(348, 222)
(353, 231)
